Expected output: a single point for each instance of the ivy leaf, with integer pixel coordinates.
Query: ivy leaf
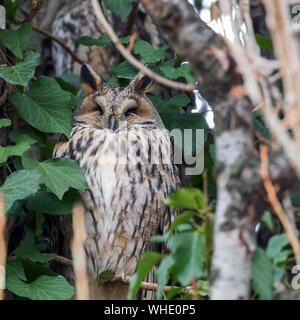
(38, 136)
(61, 174)
(46, 202)
(15, 41)
(120, 7)
(66, 86)
(5, 123)
(144, 266)
(101, 41)
(148, 53)
(45, 106)
(23, 144)
(262, 274)
(125, 70)
(28, 160)
(19, 185)
(15, 268)
(23, 71)
(15, 210)
(43, 288)
(188, 253)
(25, 251)
(186, 198)
(180, 100)
(35, 270)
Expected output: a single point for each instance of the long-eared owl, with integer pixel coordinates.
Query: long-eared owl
(124, 150)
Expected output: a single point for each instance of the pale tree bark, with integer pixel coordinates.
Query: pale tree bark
(240, 199)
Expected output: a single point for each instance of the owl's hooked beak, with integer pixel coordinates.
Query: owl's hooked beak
(112, 123)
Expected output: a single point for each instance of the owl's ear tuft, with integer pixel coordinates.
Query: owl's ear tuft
(90, 80)
(141, 83)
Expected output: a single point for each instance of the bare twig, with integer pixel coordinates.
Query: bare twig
(60, 259)
(286, 50)
(194, 289)
(129, 57)
(130, 19)
(272, 197)
(154, 286)
(60, 42)
(34, 10)
(2, 247)
(132, 41)
(78, 253)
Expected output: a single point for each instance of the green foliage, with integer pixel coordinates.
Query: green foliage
(43, 288)
(145, 264)
(23, 143)
(44, 110)
(263, 42)
(120, 7)
(269, 266)
(61, 174)
(186, 199)
(46, 202)
(168, 70)
(125, 70)
(198, 4)
(148, 53)
(15, 41)
(190, 246)
(5, 123)
(267, 219)
(264, 131)
(188, 255)
(174, 116)
(11, 6)
(26, 251)
(105, 277)
(295, 198)
(23, 71)
(101, 41)
(276, 244)
(162, 274)
(262, 274)
(19, 185)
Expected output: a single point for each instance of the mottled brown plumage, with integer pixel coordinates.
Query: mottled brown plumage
(120, 142)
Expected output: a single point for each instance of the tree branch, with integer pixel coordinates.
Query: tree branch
(34, 10)
(288, 227)
(129, 57)
(60, 42)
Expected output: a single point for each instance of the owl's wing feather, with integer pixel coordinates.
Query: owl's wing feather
(60, 149)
